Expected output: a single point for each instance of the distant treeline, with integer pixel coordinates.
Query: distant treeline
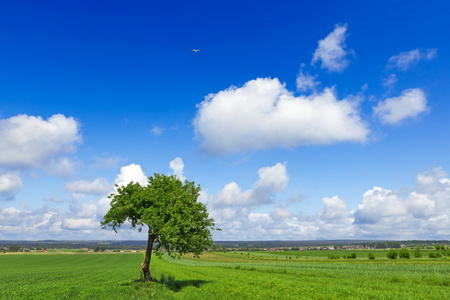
(141, 245)
(47, 244)
(380, 244)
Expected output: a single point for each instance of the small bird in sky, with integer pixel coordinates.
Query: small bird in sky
(195, 50)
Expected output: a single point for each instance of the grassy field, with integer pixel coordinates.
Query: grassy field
(241, 275)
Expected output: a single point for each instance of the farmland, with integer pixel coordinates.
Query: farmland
(223, 275)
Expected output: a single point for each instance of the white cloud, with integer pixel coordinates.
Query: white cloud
(232, 208)
(331, 50)
(390, 81)
(432, 195)
(29, 141)
(383, 213)
(264, 114)
(103, 206)
(26, 224)
(306, 82)
(230, 195)
(420, 213)
(259, 218)
(177, 167)
(231, 203)
(62, 166)
(334, 209)
(127, 174)
(394, 110)
(130, 173)
(10, 185)
(281, 213)
(431, 181)
(421, 205)
(405, 60)
(380, 205)
(273, 178)
(10, 216)
(98, 187)
(80, 223)
(46, 219)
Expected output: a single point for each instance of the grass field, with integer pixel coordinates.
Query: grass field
(252, 275)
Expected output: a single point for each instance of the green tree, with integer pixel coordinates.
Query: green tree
(169, 209)
(371, 255)
(432, 254)
(417, 253)
(404, 253)
(14, 248)
(380, 245)
(392, 254)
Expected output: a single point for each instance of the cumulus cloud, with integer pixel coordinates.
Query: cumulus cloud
(79, 189)
(432, 195)
(264, 114)
(421, 213)
(127, 174)
(382, 213)
(331, 50)
(380, 205)
(394, 110)
(233, 209)
(82, 221)
(10, 185)
(334, 209)
(13, 217)
(29, 141)
(177, 167)
(271, 180)
(404, 60)
(27, 224)
(334, 221)
(130, 173)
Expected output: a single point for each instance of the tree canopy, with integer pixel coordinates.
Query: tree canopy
(169, 209)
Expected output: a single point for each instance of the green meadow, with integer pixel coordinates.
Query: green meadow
(217, 275)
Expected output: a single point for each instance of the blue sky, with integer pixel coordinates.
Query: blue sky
(320, 120)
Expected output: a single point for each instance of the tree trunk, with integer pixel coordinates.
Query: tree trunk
(148, 255)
